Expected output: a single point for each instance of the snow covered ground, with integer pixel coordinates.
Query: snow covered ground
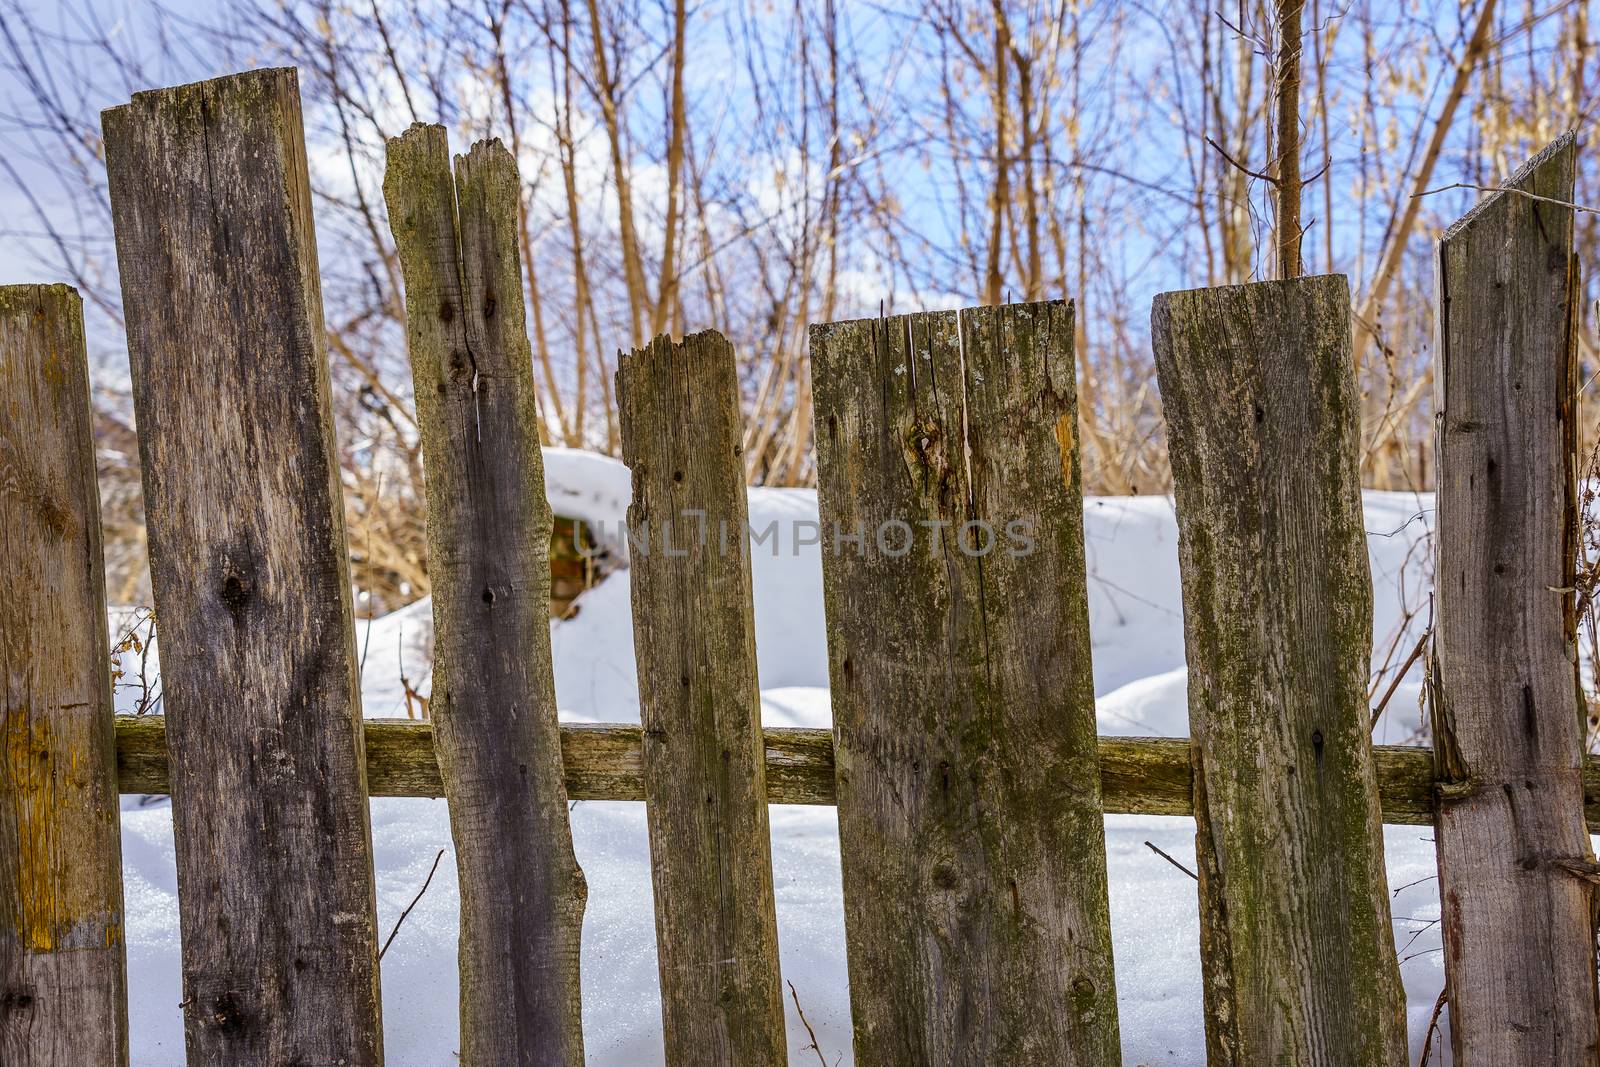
(1137, 623)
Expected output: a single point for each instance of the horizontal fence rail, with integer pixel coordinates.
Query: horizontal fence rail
(604, 761)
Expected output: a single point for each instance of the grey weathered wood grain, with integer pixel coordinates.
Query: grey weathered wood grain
(700, 704)
(63, 988)
(248, 563)
(1263, 431)
(493, 702)
(602, 761)
(970, 825)
(1519, 926)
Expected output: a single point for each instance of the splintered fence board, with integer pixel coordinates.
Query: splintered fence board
(1263, 429)
(971, 836)
(248, 564)
(700, 705)
(63, 992)
(1507, 709)
(493, 703)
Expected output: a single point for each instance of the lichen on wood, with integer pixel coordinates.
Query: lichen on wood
(216, 250)
(1263, 424)
(493, 702)
(63, 988)
(973, 848)
(703, 770)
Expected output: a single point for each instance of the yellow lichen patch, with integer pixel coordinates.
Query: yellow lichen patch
(1067, 440)
(58, 902)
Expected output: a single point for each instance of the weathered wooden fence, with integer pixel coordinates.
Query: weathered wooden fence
(964, 763)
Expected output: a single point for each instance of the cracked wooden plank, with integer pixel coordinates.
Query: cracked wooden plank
(218, 259)
(1263, 430)
(971, 836)
(700, 704)
(493, 702)
(1507, 710)
(63, 987)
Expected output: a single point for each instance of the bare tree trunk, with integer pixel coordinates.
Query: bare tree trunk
(1033, 277)
(667, 293)
(583, 300)
(1323, 43)
(1389, 265)
(502, 76)
(1002, 176)
(1288, 176)
(606, 93)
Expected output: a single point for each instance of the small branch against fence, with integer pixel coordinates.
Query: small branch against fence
(812, 1034)
(1509, 189)
(1240, 167)
(414, 900)
(1399, 675)
(132, 640)
(1151, 845)
(366, 637)
(1433, 1027)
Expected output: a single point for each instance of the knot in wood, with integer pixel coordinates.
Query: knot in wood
(16, 1000)
(226, 1014)
(236, 591)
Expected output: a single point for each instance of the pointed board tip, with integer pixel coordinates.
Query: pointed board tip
(1565, 144)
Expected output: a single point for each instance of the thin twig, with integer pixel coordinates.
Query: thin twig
(1388, 655)
(1152, 847)
(1507, 189)
(1269, 179)
(812, 1034)
(411, 905)
(366, 641)
(1433, 1027)
(1416, 654)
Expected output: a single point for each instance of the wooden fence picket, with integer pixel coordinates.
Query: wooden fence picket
(1515, 863)
(493, 703)
(700, 705)
(63, 991)
(973, 847)
(1263, 429)
(249, 567)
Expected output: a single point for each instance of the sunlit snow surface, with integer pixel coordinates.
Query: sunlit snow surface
(1136, 618)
